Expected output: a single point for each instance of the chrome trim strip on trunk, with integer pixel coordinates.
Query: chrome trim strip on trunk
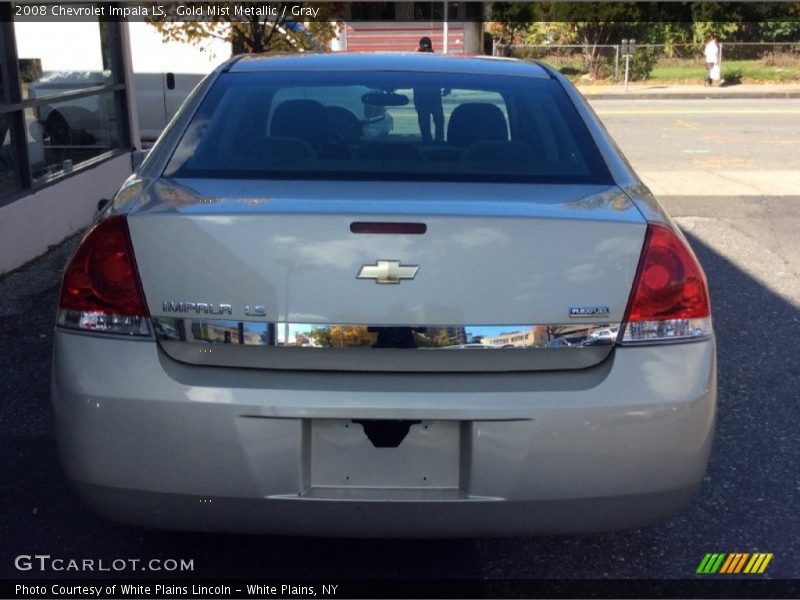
(348, 347)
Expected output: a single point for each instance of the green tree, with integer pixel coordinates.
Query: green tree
(590, 25)
(251, 28)
(779, 31)
(509, 21)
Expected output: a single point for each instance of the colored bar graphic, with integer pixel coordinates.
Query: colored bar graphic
(717, 564)
(703, 563)
(740, 563)
(754, 563)
(710, 563)
(765, 563)
(729, 564)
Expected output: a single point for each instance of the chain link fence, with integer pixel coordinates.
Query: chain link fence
(608, 62)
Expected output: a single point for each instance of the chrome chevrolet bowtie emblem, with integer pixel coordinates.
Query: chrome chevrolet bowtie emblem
(388, 271)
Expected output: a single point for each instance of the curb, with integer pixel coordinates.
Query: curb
(692, 95)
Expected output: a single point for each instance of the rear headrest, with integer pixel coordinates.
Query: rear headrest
(300, 119)
(476, 122)
(344, 123)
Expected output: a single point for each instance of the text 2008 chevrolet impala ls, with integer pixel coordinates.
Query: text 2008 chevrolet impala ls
(478, 323)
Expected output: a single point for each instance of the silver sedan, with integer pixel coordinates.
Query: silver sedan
(273, 326)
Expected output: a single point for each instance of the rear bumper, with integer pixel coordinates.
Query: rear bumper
(151, 441)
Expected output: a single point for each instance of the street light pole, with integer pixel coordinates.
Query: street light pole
(445, 29)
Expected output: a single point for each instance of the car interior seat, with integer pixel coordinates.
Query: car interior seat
(300, 119)
(307, 120)
(476, 122)
(344, 123)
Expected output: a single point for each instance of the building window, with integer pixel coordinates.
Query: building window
(66, 133)
(9, 171)
(62, 99)
(372, 11)
(434, 11)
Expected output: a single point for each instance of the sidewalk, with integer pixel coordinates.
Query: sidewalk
(678, 91)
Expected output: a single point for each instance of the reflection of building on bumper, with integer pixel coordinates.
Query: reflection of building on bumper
(618, 445)
(535, 336)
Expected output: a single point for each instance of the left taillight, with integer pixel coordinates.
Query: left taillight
(101, 290)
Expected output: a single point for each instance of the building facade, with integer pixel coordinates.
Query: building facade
(66, 126)
(398, 26)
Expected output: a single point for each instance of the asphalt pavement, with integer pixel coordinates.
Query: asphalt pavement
(701, 148)
(747, 503)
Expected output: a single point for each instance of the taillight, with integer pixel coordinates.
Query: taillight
(669, 301)
(101, 290)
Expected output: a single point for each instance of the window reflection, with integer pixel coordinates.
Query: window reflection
(63, 111)
(64, 133)
(9, 174)
(55, 58)
(229, 332)
(301, 335)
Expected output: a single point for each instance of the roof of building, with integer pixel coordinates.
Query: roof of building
(410, 61)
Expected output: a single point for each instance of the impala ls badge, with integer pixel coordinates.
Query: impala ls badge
(387, 271)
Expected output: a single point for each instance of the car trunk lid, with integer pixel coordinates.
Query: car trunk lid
(279, 264)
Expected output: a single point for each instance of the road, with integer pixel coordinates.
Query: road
(748, 244)
(709, 147)
(728, 170)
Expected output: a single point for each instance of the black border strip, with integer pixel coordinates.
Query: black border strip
(713, 586)
(564, 11)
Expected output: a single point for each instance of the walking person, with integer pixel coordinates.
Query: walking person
(712, 57)
(428, 103)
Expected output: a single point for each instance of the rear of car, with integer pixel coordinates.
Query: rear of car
(284, 325)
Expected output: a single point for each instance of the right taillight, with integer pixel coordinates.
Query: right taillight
(101, 290)
(669, 301)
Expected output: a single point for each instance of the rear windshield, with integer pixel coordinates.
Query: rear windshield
(387, 126)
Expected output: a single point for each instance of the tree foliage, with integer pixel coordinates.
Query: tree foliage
(593, 25)
(252, 27)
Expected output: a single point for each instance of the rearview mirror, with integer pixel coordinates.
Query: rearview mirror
(384, 99)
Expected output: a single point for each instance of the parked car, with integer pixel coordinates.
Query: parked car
(609, 333)
(562, 342)
(86, 121)
(251, 336)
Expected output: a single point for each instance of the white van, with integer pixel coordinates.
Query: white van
(165, 73)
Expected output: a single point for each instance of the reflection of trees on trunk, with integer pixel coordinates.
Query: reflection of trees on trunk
(361, 336)
(343, 336)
